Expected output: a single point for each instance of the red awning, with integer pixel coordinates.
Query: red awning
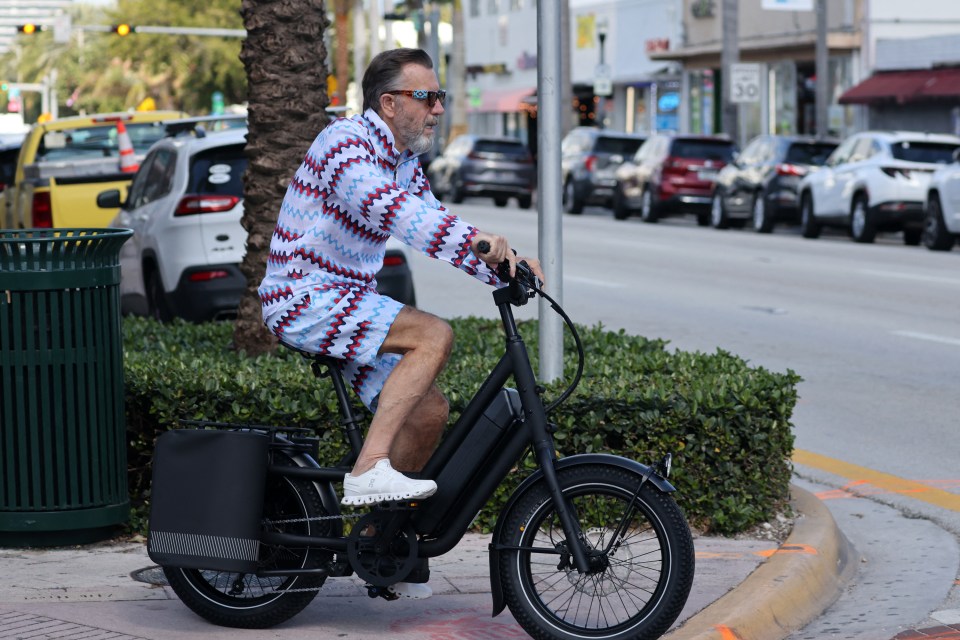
(906, 86)
(504, 101)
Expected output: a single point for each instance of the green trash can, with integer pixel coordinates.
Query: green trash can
(63, 476)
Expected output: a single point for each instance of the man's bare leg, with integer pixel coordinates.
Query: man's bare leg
(424, 341)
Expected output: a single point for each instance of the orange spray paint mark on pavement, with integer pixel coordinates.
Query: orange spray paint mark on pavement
(788, 548)
(726, 633)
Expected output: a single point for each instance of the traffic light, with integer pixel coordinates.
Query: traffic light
(29, 29)
(123, 29)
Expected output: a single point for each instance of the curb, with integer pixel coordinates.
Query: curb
(789, 590)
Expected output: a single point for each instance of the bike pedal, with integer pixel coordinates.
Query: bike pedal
(399, 505)
(381, 592)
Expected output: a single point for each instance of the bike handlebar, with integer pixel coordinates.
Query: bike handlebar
(524, 274)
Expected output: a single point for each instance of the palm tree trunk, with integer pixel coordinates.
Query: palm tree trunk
(284, 56)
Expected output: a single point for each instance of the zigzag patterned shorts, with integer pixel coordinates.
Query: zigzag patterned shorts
(349, 324)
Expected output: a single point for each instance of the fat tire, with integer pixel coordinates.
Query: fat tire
(935, 235)
(205, 592)
(598, 494)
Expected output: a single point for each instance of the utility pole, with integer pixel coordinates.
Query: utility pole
(549, 125)
(729, 56)
(822, 70)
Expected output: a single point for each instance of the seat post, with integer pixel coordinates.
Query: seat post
(323, 366)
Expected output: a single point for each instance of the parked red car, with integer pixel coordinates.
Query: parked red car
(671, 175)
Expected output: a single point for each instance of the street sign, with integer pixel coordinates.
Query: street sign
(603, 81)
(788, 5)
(744, 82)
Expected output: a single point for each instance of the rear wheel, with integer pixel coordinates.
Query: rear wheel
(456, 191)
(640, 552)
(571, 203)
(648, 209)
(863, 227)
(620, 210)
(935, 235)
(718, 213)
(500, 202)
(809, 227)
(157, 298)
(247, 601)
(525, 202)
(763, 219)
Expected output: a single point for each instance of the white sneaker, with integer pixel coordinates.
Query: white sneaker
(383, 483)
(411, 590)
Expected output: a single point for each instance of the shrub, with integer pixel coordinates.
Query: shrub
(726, 423)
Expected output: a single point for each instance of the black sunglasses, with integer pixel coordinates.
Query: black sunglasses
(420, 94)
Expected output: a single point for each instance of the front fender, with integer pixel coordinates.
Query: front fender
(579, 460)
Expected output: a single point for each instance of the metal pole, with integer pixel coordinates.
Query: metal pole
(730, 55)
(822, 70)
(549, 91)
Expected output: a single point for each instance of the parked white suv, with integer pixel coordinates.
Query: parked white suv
(874, 181)
(941, 227)
(184, 207)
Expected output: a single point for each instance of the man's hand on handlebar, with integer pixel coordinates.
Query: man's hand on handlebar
(499, 251)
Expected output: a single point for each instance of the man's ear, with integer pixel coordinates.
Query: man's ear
(388, 105)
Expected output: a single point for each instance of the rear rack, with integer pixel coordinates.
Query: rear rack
(288, 438)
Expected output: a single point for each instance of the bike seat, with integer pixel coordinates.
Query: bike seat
(328, 361)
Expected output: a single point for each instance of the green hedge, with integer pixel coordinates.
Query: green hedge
(726, 423)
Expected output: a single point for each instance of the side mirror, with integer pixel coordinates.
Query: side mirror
(109, 199)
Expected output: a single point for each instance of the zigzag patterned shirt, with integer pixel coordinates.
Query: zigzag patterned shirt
(352, 191)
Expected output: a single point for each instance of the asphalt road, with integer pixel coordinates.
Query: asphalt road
(872, 329)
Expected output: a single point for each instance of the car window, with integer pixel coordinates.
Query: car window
(710, 149)
(218, 171)
(814, 153)
(135, 197)
(932, 152)
(865, 148)
(160, 175)
(843, 152)
(752, 152)
(8, 164)
(500, 147)
(623, 146)
(81, 143)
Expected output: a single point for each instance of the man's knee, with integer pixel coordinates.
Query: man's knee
(414, 329)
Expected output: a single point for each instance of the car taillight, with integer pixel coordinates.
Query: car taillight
(190, 205)
(674, 165)
(589, 163)
(42, 211)
(473, 155)
(790, 170)
(393, 261)
(204, 276)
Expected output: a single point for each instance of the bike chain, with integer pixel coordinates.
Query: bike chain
(351, 516)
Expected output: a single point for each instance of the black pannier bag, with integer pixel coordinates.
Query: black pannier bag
(207, 499)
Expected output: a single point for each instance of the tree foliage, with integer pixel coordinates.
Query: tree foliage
(102, 72)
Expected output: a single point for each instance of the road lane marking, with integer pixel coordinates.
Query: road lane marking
(894, 484)
(929, 337)
(898, 275)
(593, 282)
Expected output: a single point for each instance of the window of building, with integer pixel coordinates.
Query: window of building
(474, 8)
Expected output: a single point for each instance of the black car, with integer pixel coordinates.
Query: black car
(761, 183)
(589, 157)
(484, 166)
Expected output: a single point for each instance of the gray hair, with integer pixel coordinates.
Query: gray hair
(384, 71)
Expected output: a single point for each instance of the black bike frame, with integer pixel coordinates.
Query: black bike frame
(474, 457)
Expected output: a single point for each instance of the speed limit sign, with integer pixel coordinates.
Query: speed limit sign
(745, 82)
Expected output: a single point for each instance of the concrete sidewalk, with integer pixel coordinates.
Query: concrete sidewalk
(745, 589)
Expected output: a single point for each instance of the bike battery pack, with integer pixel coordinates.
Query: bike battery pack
(207, 499)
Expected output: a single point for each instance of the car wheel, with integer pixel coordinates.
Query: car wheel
(525, 202)
(762, 216)
(500, 202)
(718, 214)
(571, 203)
(862, 226)
(620, 210)
(157, 298)
(809, 227)
(648, 210)
(935, 235)
(911, 237)
(456, 191)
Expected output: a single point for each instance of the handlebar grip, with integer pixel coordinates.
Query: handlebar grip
(483, 246)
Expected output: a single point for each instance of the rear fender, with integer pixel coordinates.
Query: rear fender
(641, 470)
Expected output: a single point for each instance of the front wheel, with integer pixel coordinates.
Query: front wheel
(248, 601)
(640, 551)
